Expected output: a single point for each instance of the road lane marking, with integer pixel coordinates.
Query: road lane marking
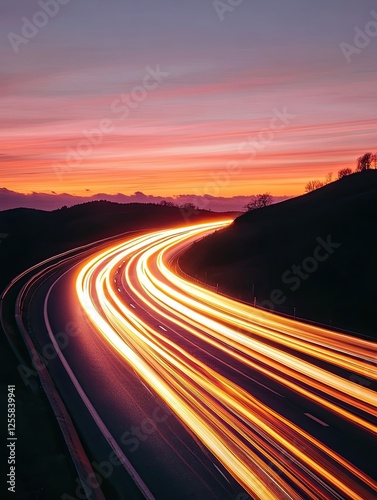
(132, 305)
(89, 405)
(145, 385)
(317, 419)
(266, 387)
(224, 476)
(162, 328)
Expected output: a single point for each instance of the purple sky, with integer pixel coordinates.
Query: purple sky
(223, 82)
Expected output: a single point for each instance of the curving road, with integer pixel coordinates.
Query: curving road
(195, 394)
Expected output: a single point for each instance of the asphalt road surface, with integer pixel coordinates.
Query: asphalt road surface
(179, 392)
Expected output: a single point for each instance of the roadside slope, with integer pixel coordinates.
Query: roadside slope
(258, 252)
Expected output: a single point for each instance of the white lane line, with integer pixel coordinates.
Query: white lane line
(317, 419)
(85, 399)
(132, 305)
(224, 476)
(162, 328)
(145, 385)
(266, 387)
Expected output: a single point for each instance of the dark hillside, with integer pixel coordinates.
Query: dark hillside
(34, 235)
(259, 250)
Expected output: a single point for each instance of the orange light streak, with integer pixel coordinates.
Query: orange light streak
(250, 439)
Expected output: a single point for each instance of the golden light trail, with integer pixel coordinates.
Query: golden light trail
(270, 456)
(289, 365)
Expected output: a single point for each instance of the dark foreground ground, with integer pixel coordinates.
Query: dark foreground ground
(330, 235)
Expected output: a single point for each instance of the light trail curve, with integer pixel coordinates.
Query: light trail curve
(267, 453)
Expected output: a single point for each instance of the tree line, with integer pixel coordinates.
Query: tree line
(364, 162)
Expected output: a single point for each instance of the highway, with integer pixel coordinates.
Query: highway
(199, 395)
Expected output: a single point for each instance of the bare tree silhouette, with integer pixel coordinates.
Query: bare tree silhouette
(259, 201)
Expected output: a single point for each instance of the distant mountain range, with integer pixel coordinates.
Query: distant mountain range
(53, 201)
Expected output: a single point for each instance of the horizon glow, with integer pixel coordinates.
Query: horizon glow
(185, 99)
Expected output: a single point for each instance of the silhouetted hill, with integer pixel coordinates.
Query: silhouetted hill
(34, 235)
(259, 249)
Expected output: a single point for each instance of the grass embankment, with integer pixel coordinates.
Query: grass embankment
(335, 284)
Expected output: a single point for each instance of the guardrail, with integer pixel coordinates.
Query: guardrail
(75, 448)
(294, 317)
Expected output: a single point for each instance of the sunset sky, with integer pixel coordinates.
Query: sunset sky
(257, 98)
